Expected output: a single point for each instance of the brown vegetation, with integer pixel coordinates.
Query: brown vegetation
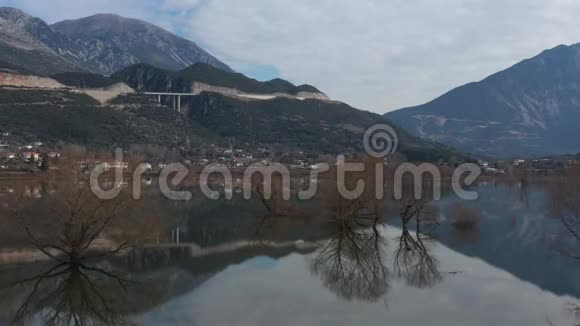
(564, 197)
(464, 217)
(67, 222)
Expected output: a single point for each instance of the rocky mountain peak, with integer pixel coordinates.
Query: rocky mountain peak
(21, 30)
(102, 43)
(112, 42)
(102, 24)
(15, 16)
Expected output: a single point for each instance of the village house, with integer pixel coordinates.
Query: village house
(9, 155)
(115, 165)
(30, 156)
(54, 154)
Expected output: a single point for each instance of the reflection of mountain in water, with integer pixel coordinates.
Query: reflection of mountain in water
(75, 293)
(348, 256)
(223, 221)
(514, 237)
(119, 287)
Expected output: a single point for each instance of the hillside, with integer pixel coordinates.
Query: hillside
(83, 80)
(100, 44)
(55, 116)
(12, 68)
(79, 104)
(146, 77)
(529, 109)
(310, 125)
(314, 127)
(36, 61)
(31, 44)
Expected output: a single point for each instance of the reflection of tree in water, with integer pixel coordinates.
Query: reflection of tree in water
(413, 260)
(564, 196)
(73, 294)
(69, 223)
(71, 226)
(351, 264)
(465, 222)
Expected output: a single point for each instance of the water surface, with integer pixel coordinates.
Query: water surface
(233, 263)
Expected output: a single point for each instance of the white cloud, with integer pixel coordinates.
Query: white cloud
(373, 54)
(57, 10)
(181, 4)
(378, 55)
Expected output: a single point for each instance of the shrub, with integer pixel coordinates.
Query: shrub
(464, 218)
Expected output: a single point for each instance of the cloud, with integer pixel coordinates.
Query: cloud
(373, 54)
(378, 55)
(57, 10)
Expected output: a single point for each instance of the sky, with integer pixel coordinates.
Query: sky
(376, 55)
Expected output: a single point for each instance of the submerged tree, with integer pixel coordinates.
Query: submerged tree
(73, 227)
(351, 264)
(413, 260)
(68, 222)
(564, 196)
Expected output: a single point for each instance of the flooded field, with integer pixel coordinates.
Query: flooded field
(508, 258)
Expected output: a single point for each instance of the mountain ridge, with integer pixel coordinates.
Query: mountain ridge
(108, 44)
(524, 110)
(225, 106)
(149, 78)
(72, 114)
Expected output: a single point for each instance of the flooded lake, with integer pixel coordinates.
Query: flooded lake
(503, 259)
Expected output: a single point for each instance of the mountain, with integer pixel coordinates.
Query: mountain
(311, 125)
(83, 80)
(87, 113)
(200, 77)
(110, 43)
(30, 44)
(77, 105)
(55, 116)
(100, 44)
(234, 107)
(242, 110)
(532, 108)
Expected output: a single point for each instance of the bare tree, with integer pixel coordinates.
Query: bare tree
(69, 223)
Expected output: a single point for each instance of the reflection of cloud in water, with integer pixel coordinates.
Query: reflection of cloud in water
(289, 294)
(263, 263)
